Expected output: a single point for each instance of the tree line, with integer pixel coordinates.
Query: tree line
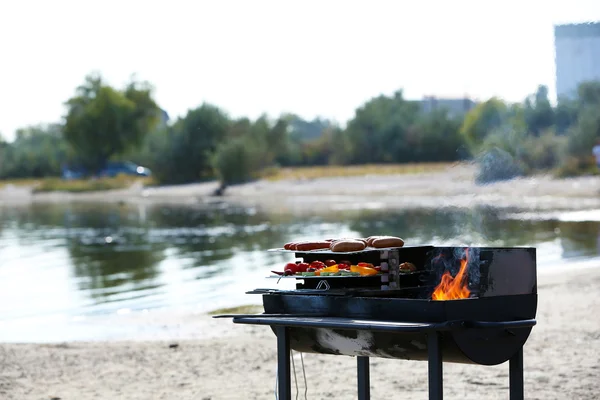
(104, 123)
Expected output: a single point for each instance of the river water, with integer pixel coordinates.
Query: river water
(63, 263)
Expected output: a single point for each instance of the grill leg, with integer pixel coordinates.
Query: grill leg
(283, 364)
(434, 350)
(364, 380)
(516, 376)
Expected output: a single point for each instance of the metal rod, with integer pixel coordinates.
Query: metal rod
(364, 379)
(516, 376)
(347, 323)
(315, 315)
(283, 364)
(436, 377)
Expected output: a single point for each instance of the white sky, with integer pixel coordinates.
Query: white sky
(251, 56)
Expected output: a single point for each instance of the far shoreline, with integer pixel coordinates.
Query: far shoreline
(453, 186)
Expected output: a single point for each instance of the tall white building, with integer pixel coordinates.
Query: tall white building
(577, 56)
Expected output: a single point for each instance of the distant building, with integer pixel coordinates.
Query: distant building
(577, 56)
(455, 107)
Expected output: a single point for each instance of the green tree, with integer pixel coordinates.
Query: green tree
(102, 122)
(37, 151)
(250, 148)
(378, 131)
(439, 137)
(192, 141)
(482, 120)
(565, 114)
(538, 112)
(588, 94)
(585, 133)
(238, 160)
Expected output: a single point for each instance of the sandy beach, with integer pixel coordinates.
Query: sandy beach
(452, 187)
(215, 359)
(219, 360)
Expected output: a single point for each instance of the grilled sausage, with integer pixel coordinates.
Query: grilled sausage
(387, 241)
(347, 245)
(341, 239)
(307, 246)
(288, 246)
(371, 238)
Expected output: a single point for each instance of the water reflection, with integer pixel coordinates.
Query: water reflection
(112, 256)
(106, 269)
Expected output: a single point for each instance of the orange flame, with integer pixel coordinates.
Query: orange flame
(453, 288)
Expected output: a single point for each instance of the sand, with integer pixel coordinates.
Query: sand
(454, 187)
(227, 361)
(216, 359)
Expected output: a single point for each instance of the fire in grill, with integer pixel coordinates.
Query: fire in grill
(465, 305)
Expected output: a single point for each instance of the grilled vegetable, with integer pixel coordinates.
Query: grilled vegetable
(407, 267)
(364, 264)
(302, 267)
(327, 270)
(317, 264)
(363, 271)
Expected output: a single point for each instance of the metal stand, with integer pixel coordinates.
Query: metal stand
(284, 384)
(364, 379)
(516, 376)
(434, 348)
(436, 377)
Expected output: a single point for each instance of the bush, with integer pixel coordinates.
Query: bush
(497, 165)
(88, 185)
(543, 153)
(585, 133)
(574, 166)
(238, 161)
(530, 153)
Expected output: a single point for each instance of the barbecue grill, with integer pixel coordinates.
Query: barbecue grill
(484, 310)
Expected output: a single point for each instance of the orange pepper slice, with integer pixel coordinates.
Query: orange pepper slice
(363, 271)
(333, 268)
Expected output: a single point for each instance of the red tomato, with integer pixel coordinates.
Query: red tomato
(345, 262)
(329, 263)
(364, 264)
(317, 264)
(292, 267)
(302, 267)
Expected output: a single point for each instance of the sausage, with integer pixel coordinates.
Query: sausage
(307, 246)
(359, 239)
(387, 241)
(371, 238)
(347, 245)
(288, 246)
